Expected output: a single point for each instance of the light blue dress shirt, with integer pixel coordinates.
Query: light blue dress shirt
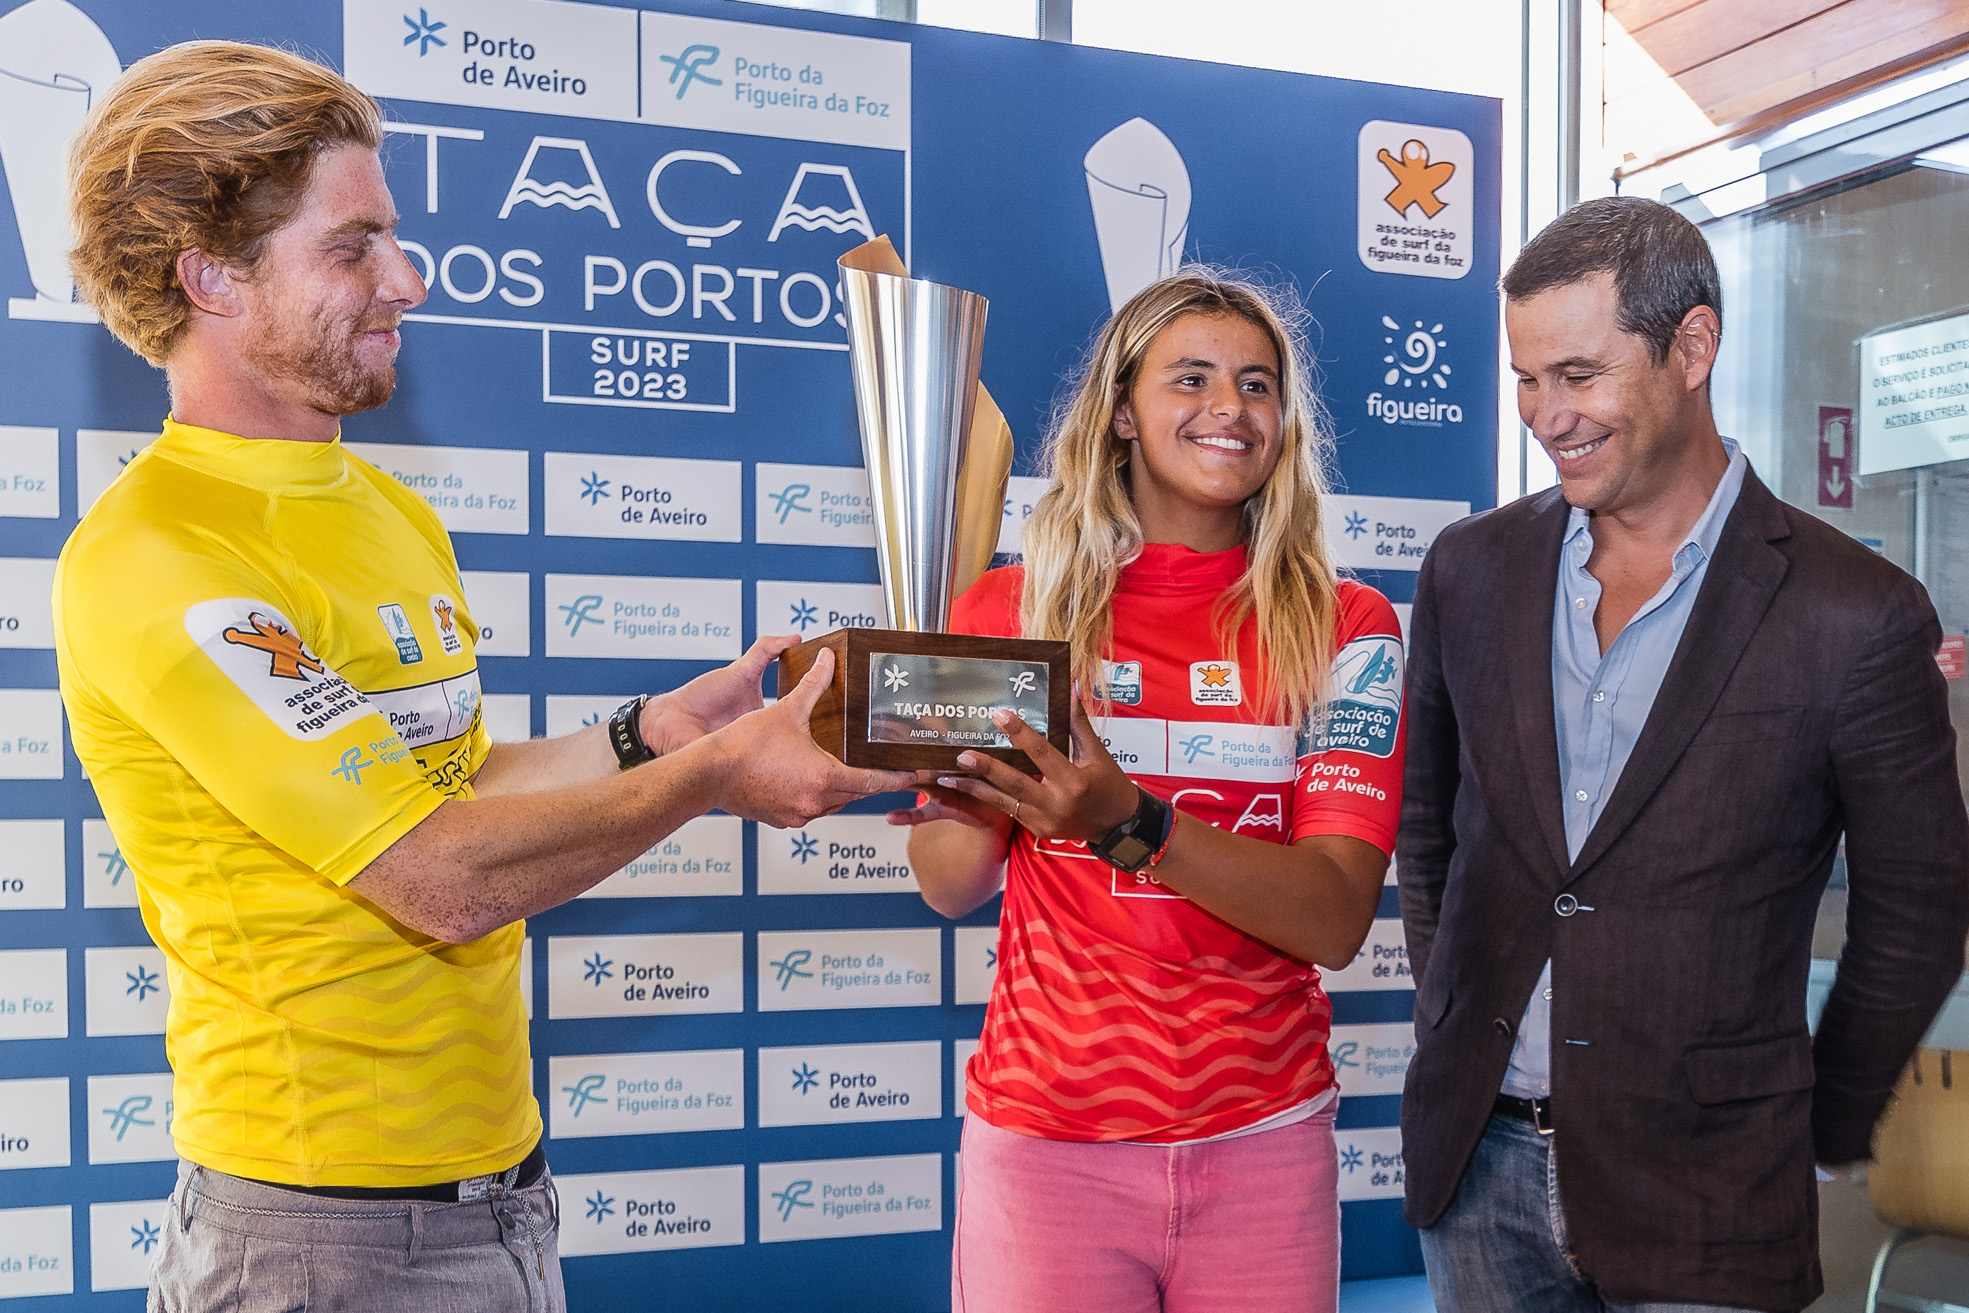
(1600, 702)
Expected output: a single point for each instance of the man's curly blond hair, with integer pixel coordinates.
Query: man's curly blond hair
(208, 144)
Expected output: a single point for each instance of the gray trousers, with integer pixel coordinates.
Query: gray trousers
(237, 1246)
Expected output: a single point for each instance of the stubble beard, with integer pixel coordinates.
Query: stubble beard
(315, 352)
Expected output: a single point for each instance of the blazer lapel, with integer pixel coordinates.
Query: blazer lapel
(1736, 592)
(1527, 618)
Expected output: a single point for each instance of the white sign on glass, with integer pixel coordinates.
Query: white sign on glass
(1914, 396)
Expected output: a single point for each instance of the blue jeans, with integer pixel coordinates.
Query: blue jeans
(1503, 1248)
(237, 1246)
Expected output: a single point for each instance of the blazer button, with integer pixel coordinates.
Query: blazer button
(1502, 1027)
(1565, 904)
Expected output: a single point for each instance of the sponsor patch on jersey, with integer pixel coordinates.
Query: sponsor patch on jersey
(397, 625)
(259, 649)
(1215, 684)
(431, 713)
(1124, 682)
(444, 614)
(1364, 706)
(1226, 750)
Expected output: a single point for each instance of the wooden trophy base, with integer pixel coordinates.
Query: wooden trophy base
(912, 701)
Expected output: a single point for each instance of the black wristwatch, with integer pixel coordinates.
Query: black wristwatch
(1140, 840)
(625, 733)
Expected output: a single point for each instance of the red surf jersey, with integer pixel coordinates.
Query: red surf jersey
(1122, 1011)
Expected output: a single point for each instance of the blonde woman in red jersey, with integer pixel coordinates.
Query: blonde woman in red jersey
(1151, 1104)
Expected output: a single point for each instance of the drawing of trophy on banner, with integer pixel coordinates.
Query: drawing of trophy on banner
(54, 65)
(938, 451)
(1140, 191)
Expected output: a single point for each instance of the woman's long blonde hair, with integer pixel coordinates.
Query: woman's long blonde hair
(1084, 529)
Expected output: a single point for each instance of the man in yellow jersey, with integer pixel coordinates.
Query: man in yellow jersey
(269, 674)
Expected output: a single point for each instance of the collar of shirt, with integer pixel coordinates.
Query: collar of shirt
(1700, 543)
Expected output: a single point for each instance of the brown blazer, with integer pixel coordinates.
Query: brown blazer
(1803, 702)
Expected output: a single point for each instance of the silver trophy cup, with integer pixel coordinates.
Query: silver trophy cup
(915, 348)
(913, 696)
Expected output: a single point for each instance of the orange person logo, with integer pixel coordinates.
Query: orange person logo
(1215, 676)
(442, 610)
(1416, 180)
(290, 657)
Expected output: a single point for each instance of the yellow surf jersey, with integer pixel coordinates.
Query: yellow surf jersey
(270, 679)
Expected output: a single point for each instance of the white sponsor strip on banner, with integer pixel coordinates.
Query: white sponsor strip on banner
(473, 489)
(813, 505)
(508, 716)
(776, 82)
(1372, 1059)
(30, 734)
(644, 975)
(1387, 533)
(123, 1239)
(126, 993)
(1022, 494)
(645, 497)
(30, 472)
(813, 609)
(815, 1084)
(608, 615)
(37, 1251)
(34, 1122)
(646, 1093)
(977, 962)
(130, 1119)
(1382, 962)
(569, 713)
(26, 617)
(702, 858)
(582, 61)
(100, 455)
(500, 603)
(107, 880)
(850, 1196)
(960, 1058)
(629, 1212)
(801, 969)
(33, 993)
(1370, 1163)
(33, 865)
(539, 56)
(836, 855)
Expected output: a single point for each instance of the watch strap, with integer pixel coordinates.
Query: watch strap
(625, 733)
(1140, 840)
(1168, 833)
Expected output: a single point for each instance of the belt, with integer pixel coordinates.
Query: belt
(473, 1188)
(1536, 1111)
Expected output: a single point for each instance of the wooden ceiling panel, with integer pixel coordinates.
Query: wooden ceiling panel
(1634, 15)
(1707, 31)
(1679, 75)
(1833, 47)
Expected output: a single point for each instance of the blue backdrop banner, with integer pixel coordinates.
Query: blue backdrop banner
(628, 399)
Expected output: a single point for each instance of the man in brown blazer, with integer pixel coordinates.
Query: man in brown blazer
(1643, 707)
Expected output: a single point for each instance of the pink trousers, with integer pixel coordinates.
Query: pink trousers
(1250, 1225)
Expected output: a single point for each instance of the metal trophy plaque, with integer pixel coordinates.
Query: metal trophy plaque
(911, 696)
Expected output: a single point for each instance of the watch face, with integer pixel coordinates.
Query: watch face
(1129, 853)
